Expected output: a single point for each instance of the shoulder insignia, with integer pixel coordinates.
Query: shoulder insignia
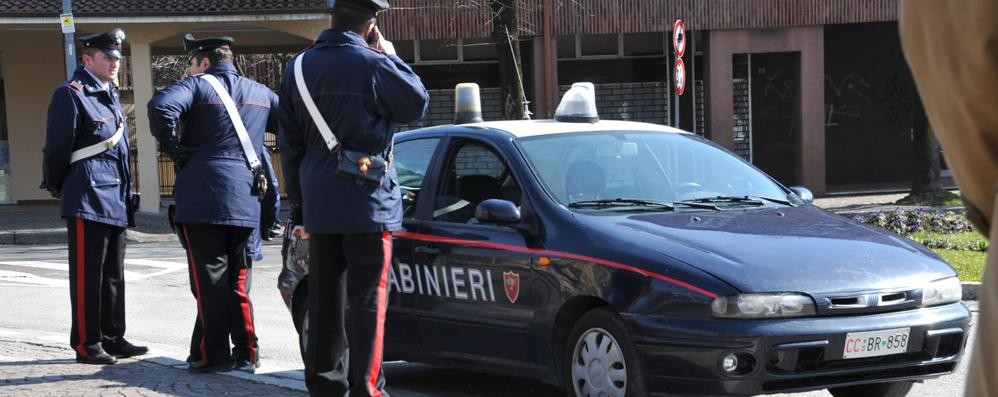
(76, 85)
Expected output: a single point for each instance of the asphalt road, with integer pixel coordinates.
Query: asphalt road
(161, 311)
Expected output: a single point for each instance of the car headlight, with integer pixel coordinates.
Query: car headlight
(768, 305)
(947, 290)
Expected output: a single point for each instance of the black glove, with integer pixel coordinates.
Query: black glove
(181, 155)
(56, 193)
(296, 217)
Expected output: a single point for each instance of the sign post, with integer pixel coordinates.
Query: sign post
(68, 28)
(679, 71)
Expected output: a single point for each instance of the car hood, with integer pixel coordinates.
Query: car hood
(791, 249)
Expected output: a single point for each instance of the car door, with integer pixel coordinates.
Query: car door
(412, 159)
(473, 278)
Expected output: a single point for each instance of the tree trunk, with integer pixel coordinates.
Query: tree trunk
(925, 156)
(505, 35)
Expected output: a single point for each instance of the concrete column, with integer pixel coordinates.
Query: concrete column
(148, 164)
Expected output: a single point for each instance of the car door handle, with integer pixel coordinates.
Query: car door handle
(427, 250)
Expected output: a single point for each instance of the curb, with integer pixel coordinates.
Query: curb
(60, 236)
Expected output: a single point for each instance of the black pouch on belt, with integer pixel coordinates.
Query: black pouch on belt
(363, 168)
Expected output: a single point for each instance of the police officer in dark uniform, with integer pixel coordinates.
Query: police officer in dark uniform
(361, 89)
(86, 166)
(217, 194)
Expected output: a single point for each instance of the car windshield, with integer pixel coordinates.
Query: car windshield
(609, 169)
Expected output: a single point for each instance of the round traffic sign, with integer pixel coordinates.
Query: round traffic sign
(679, 38)
(679, 76)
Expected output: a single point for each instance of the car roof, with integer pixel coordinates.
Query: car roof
(531, 128)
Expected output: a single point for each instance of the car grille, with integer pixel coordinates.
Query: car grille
(810, 364)
(867, 302)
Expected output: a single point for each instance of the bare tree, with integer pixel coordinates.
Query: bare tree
(505, 34)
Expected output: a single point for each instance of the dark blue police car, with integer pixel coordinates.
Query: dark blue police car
(629, 259)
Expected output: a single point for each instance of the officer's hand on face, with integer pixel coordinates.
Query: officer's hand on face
(381, 44)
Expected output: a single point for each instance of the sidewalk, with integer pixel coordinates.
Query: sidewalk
(41, 224)
(43, 368)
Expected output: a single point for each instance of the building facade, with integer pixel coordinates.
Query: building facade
(815, 93)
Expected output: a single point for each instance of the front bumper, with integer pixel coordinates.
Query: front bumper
(683, 355)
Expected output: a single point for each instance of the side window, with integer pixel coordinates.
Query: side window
(412, 158)
(473, 173)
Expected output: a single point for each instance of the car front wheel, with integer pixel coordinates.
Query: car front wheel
(891, 389)
(600, 358)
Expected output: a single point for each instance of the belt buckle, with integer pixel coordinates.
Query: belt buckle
(109, 143)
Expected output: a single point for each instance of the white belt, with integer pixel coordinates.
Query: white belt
(99, 147)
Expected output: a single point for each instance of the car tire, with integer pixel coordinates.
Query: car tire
(600, 357)
(890, 389)
(300, 316)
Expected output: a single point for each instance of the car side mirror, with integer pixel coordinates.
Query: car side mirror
(497, 211)
(803, 192)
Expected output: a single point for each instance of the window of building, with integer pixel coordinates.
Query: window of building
(599, 45)
(566, 47)
(406, 49)
(438, 50)
(478, 50)
(644, 44)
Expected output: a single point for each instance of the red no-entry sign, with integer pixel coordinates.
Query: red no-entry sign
(679, 38)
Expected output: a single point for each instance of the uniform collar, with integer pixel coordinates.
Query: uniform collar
(91, 82)
(222, 68)
(337, 36)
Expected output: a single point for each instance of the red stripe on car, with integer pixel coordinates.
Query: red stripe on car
(567, 255)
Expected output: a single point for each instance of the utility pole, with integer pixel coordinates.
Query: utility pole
(68, 29)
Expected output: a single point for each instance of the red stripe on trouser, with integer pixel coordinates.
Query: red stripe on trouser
(379, 329)
(81, 289)
(244, 303)
(197, 290)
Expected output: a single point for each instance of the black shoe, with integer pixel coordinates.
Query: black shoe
(122, 348)
(96, 356)
(200, 367)
(246, 365)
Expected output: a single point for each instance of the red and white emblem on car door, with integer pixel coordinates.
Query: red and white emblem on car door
(511, 282)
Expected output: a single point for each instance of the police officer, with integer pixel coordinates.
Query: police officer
(361, 89)
(957, 80)
(216, 193)
(86, 166)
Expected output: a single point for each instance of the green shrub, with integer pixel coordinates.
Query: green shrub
(965, 241)
(907, 222)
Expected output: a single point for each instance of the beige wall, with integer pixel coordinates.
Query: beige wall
(33, 66)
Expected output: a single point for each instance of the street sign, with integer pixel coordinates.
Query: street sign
(68, 26)
(679, 77)
(679, 38)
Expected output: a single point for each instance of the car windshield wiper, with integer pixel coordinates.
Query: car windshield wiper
(748, 200)
(620, 202)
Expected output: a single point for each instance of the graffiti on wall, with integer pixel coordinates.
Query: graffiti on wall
(848, 98)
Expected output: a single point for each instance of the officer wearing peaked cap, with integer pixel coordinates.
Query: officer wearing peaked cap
(347, 195)
(86, 166)
(224, 116)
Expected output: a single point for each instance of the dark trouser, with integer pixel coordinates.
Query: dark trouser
(347, 269)
(96, 284)
(216, 255)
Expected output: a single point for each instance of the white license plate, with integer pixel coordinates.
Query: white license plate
(876, 343)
